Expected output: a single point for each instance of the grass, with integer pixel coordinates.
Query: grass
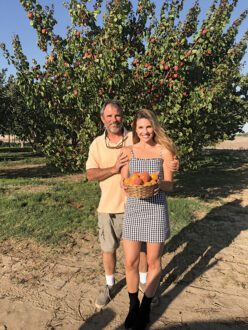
(40, 203)
(182, 211)
(51, 215)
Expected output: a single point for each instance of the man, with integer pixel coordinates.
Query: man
(104, 162)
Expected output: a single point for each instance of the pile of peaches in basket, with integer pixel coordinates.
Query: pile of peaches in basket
(141, 179)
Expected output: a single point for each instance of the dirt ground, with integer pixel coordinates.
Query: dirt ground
(240, 142)
(204, 283)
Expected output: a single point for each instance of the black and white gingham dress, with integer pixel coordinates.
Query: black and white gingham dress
(146, 220)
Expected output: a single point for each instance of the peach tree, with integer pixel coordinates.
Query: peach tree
(188, 72)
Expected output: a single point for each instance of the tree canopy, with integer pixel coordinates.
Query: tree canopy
(186, 71)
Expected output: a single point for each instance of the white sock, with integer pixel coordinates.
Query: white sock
(142, 277)
(110, 280)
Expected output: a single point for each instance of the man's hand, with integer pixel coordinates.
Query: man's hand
(122, 160)
(100, 174)
(173, 165)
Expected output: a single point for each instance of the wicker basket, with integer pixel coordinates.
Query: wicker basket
(141, 191)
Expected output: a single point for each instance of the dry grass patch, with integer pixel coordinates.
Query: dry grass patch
(33, 189)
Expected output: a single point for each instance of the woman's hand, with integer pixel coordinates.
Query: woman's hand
(122, 184)
(173, 164)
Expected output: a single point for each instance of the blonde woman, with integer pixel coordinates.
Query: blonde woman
(146, 220)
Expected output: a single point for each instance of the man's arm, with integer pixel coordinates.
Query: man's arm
(100, 174)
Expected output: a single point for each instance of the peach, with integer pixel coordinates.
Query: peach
(145, 176)
(154, 176)
(132, 178)
(138, 182)
(126, 181)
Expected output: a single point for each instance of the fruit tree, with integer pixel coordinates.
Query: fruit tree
(187, 72)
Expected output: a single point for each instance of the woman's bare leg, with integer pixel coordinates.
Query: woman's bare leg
(154, 253)
(132, 254)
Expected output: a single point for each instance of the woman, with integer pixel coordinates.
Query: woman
(146, 220)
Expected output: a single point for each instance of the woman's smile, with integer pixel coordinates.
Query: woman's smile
(144, 130)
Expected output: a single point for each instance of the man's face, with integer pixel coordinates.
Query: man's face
(112, 119)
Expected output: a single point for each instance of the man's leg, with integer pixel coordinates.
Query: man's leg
(143, 267)
(109, 240)
(109, 262)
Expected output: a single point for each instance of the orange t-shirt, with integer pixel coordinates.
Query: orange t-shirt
(100, 156)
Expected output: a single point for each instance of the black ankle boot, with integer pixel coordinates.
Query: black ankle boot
(143, 317)
(133, 310)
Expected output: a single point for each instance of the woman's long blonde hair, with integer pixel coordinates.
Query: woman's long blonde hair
(160, 136)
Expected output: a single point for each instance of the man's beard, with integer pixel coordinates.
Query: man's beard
(114, 129)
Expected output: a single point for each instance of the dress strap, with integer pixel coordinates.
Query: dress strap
(131, 150)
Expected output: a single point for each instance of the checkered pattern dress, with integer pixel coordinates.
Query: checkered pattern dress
(146, 220)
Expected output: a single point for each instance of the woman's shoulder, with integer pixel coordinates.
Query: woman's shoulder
(165, 153)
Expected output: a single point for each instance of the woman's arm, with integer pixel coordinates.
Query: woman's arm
(167, 183)
(125, 169)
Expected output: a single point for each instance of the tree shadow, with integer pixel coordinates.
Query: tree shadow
(5, 149)
(200, 242)
(102, 318)
(209, 325)
(98, 320)
(119, 286)
(29, 168)
(33, 171)
(19, 157)
(220, 173)
(18, 154)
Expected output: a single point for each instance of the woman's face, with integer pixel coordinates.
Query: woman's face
(144, 130)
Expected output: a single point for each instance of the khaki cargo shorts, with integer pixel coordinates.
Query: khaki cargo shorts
(110, 230)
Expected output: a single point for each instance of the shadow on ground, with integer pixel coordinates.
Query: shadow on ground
(202, 240)
(213, 325)
(221, 173)
(101, 318)
(34, 171)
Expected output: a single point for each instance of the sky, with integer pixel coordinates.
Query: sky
(13, 20)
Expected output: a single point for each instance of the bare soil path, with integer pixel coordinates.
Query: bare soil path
(204, 286)
(204, 283)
